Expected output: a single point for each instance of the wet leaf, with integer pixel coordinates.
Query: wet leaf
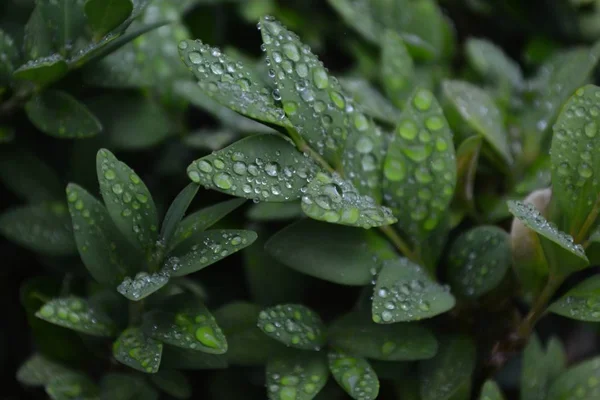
(478, 261)
(128, 201)
(372, 102)
(72, 385)
(37, 43)
(354, 375)
(358, 335)
(397, 69)
(581, 302)
(138, 351)
(443, 375)
(103, 16)
(77, 314)
(58, 114)
(42, 71)
(298, 377)
(173, 382)
(39, 370)
(492, 63)
(274, 211)
(176, 212)
(143, 284)
(293, 325)
(491, 391)
(420, 161)
(579, 381)
(64, 20)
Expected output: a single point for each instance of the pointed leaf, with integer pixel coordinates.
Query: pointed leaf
(143, 284)
(331, 199)
(397, 69)
(43, 228)
(354, 375)
(579, 381)
(128, 201)
(562, 255)
(138, 351)
(173, 382)
(241, 92)
(293, 325)
(299, 377)
(210, 139)
(42, 71)
(274, 211)
(556, 358)
(334, 253)
(176, 212)
(581, 302)
(574, 167)
(443, 375)
(356, 334)
(77, 314)
(467, 159)
(534, 374)
(39, 370)
(212, 246)
(103, 16)
(372, 102)
(492, 63)
(405, 292)
(478, 110)
(72, 385)
(59, 114)
(491, 391)
(261, 167)
(420, 160)
(478, 261)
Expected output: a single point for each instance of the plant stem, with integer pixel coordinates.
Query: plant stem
(589, 221)
(400, 244)
(539, 307)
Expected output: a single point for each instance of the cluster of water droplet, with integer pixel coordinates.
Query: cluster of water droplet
(137, 350)
(294, 325)
(585, 308)
(330, 198)
(355, 375)
(76, 314)
(420, 167)
(143, 284)
(289, 380)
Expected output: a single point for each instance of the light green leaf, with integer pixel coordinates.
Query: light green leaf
(405, 292)
(42, 71)
(185, 322)
(178, 358)
(241, 92)
(492, 63)
(120, 386)
(330, 252)
(423, 29)
(274, 211)
(65, 22)
(581, 302)
(420, 161)
(191, 229)
(359, 15)
(100, 245)
(354, 375)
(10, 58)
(143, 284)
(491, 391)
(478, 110)
(138, 351)
(72, 385)
(43, 228)
(451, 368)
(372, 102)
(293, 325)
(58, 114)
(77, 314)
(176, 212)
(39, 370)
(128, 201)
(358, 335)
(261, 167)
(211, 246)
(397, 69)
(574, 167)
(299, 377)
(331, 199)
(173, 382)
(534, 373)
(562, 255)
(478, 261)
(105, 15)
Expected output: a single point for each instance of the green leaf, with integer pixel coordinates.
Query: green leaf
(128, 201)
(120, 386)
(192, 228)
(405, 292)
(212, 246)
(330, 252)
(100, 245)
(562, 255)
(58, 114)
(492, 63)
(579, 381)
(77, 314)
(36, 41)
(274, 211)
(39, 370)
(358, 335)
(185, 322)
(143, 284)
(173, 382)
(243, 93)
(359, 15)
(72, 385)
(178, 358)
(7, 134)
(331, 199)
(478, 110)
(176, 212)
(576, 134)
(261, 167)
(10, 58)
(43, 228)
(138, 351)
(103, 16)
(420, 161)
(581, 302)
(534, 374)
(556, 358)
(478, 261)
(354, 375)
(491, 391)
(467, 159)
(42, 71)
(293, 325)
(209, 139)
(299, 377)
(65, 22)
(397, 69)
(443, 375)
(372, 102)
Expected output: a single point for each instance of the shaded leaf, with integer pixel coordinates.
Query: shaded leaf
(492, 63)
(71, 385)
(581, 302)
(38, 371)
(176, 212)
(138, 351)
(354, 375)
(103, 16)
(10, 58)
(274, 211)
(209, 139)
(491, 391)
(120, 386)
(397, 69)
(293, 325)
(173, 382)
(534, 374)
(467, 158)
(42, 71)
(77, 314)
(372, 102)
(556, 358)
(64, 20)
(178, 358)
(298, 377)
